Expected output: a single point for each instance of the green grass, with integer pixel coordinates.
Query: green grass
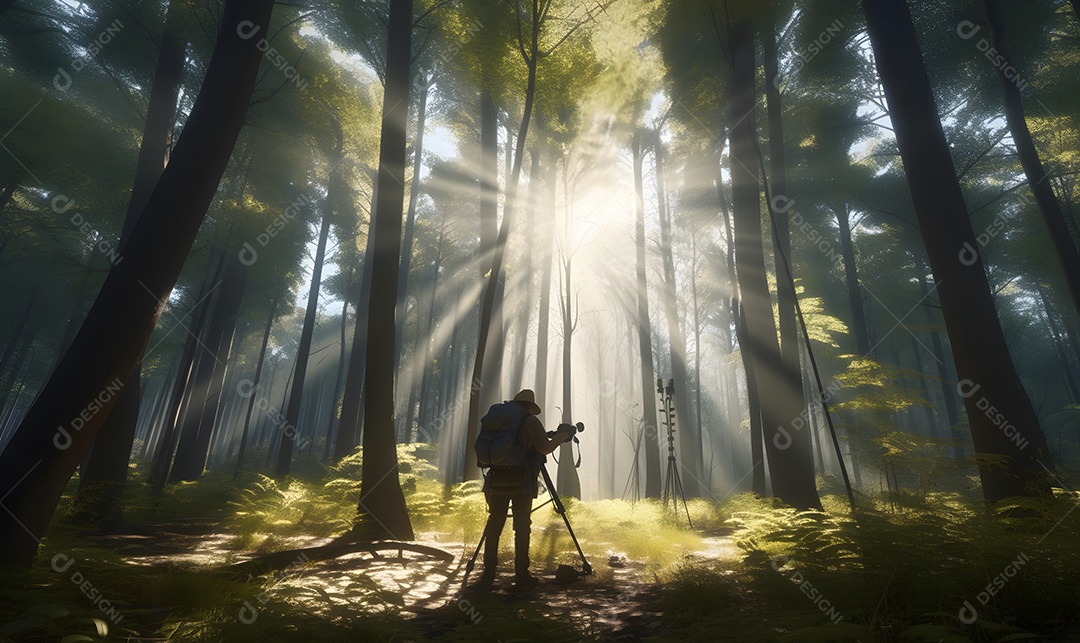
(898, 570)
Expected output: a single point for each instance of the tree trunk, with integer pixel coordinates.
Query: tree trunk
(1059, 347)
(521, 334)
(789, 456)
(115, 333)
(980, 352)
(381, 508)
(303, 351)
(335, 416)
(689, 435)
(8, 191)
(487, 307)
(410, 225)
(424, 434)
(199, 423)
(851, 277)
(947, 389)
(648, 409)
(567, 478)
(102, 479)
(351, 422)
(543, 316)
(254, 389)
(181, 386)
(1064, 247)
(9, 350)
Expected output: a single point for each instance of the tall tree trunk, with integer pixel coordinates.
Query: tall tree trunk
(543, 316)
(114, 335)
(947, 388)
(102, 479)
(425, 379)
(785, 286)
(303, 351)
(521, 333)
(199, 425)
(351, 422)
(182, 385)
(851, 278)
(789, 456)
(648, 409)
(343, 360)
(1064, 247)
(254, 389)
(381, 508)
(487, 307)
(689, 435)
(567, 478)
(410, 224)
(980, 352)
(1059, 347)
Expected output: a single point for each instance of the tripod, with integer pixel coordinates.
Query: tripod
(560, 508)
(672, 481)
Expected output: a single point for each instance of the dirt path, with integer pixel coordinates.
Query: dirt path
(618, 603)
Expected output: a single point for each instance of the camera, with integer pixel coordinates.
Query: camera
(572, 429)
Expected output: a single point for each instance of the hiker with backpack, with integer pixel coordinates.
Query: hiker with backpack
(513, 444)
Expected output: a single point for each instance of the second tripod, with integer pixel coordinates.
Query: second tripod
(672, 481)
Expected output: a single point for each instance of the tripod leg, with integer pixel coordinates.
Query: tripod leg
(472, 561)
(560, 509)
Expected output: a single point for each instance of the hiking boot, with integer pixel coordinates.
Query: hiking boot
(526, 580)
(487, 578)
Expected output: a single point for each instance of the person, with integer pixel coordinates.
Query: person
(517, 486)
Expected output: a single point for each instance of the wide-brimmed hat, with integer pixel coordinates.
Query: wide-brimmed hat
(527, 399)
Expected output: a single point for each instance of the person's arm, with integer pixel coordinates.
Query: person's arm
(540, 440)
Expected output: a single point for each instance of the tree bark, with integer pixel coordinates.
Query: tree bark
(689, 436)
(381, 508)
(980, 352)
(1064, 247)
(254, 388)
(185, 371)
(788, 449)
(1059, 347)
(199, 423)
(648, 381)
(851, 278)
(303, 351)
(110, 344)
(102, 479)
(487, 307)
(410, 226)
(351, 422)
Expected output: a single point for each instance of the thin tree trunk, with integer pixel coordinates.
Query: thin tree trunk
(487, 308)
(851, 278)
(425, 379)
(525, 303)
(351, 422)
(567, 478)
(199, 425)
(980, 352)
(689, 435)
(303, 352)
(543, 316)
(254, 390)
(652, 446)
(335, 416)
(114, 336)
(410, 223)
(1059, 347)
(1063, 244)
(185, 371)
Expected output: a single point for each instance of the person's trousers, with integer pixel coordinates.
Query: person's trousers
(498, 505)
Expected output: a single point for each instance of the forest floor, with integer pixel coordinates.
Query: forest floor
(621, 601)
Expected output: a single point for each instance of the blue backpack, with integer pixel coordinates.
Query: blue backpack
(500, 442)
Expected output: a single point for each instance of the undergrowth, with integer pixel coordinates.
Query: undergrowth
(902, 568)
